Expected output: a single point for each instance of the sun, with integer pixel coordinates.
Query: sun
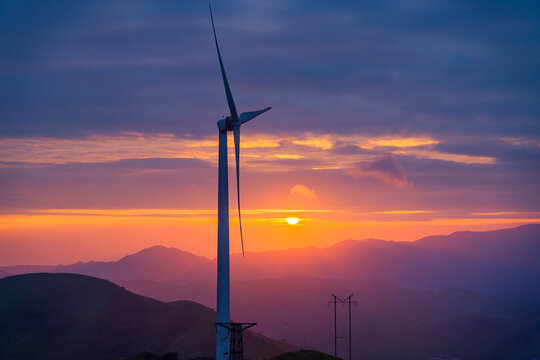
(292, 220)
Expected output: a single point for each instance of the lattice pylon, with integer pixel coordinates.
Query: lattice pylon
(235, 330)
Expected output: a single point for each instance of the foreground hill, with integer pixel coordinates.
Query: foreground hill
(67, 316)
(304, 355)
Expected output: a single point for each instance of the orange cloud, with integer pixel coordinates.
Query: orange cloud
(319, 143)
(303, 190)
(260, 151)
(402, 142)
(406, 212)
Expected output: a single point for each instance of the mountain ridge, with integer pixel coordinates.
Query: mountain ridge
(434, 262)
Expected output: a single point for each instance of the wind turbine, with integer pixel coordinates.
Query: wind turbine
(230, 123)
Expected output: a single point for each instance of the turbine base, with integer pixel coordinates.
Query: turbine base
(235, 330)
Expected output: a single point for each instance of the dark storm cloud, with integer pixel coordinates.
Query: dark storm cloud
(71, 68)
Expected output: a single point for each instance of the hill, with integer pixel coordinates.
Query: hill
(156, 263)
(66, 316)
(508, 247)
(388, 322)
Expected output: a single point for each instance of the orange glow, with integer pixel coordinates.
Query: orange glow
(64, 236)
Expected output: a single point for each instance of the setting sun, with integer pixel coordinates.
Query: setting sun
(292, 220)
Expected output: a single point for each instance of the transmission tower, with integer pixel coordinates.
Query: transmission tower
(347, 300)
(235, 330)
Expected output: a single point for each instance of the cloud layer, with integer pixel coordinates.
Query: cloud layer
(430, 66)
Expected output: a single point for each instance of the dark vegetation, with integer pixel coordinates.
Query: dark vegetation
(305, 355)
(145, 355)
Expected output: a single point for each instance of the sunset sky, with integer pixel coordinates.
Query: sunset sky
(390, 119)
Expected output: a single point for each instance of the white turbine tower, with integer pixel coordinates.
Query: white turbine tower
(230, 123)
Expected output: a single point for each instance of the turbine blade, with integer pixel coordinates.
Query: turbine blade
(230, 100)
(246, 116)
(236, 131)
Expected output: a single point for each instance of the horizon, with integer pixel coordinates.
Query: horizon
(136, 251)
(388, 121)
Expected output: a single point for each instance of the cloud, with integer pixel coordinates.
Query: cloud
(522, 141)
(303, 190)
(320, 151)
(121, 68)
(320, 143)
(457, 158)
(401, 142)
(386, 168)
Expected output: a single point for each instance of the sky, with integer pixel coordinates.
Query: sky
(390, 119)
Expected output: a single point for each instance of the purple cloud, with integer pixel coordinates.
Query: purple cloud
(386, 169)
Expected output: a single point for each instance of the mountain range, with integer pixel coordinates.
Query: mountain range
(500, 262)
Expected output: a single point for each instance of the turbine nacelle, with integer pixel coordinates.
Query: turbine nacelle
(228, 124)
(225, 124)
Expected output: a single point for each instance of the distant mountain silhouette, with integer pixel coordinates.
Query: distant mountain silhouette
(508, 247)
(68, 316)
(3, 274)
(156, 263)
(427, 264)
(493, 262)
(388, 322)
